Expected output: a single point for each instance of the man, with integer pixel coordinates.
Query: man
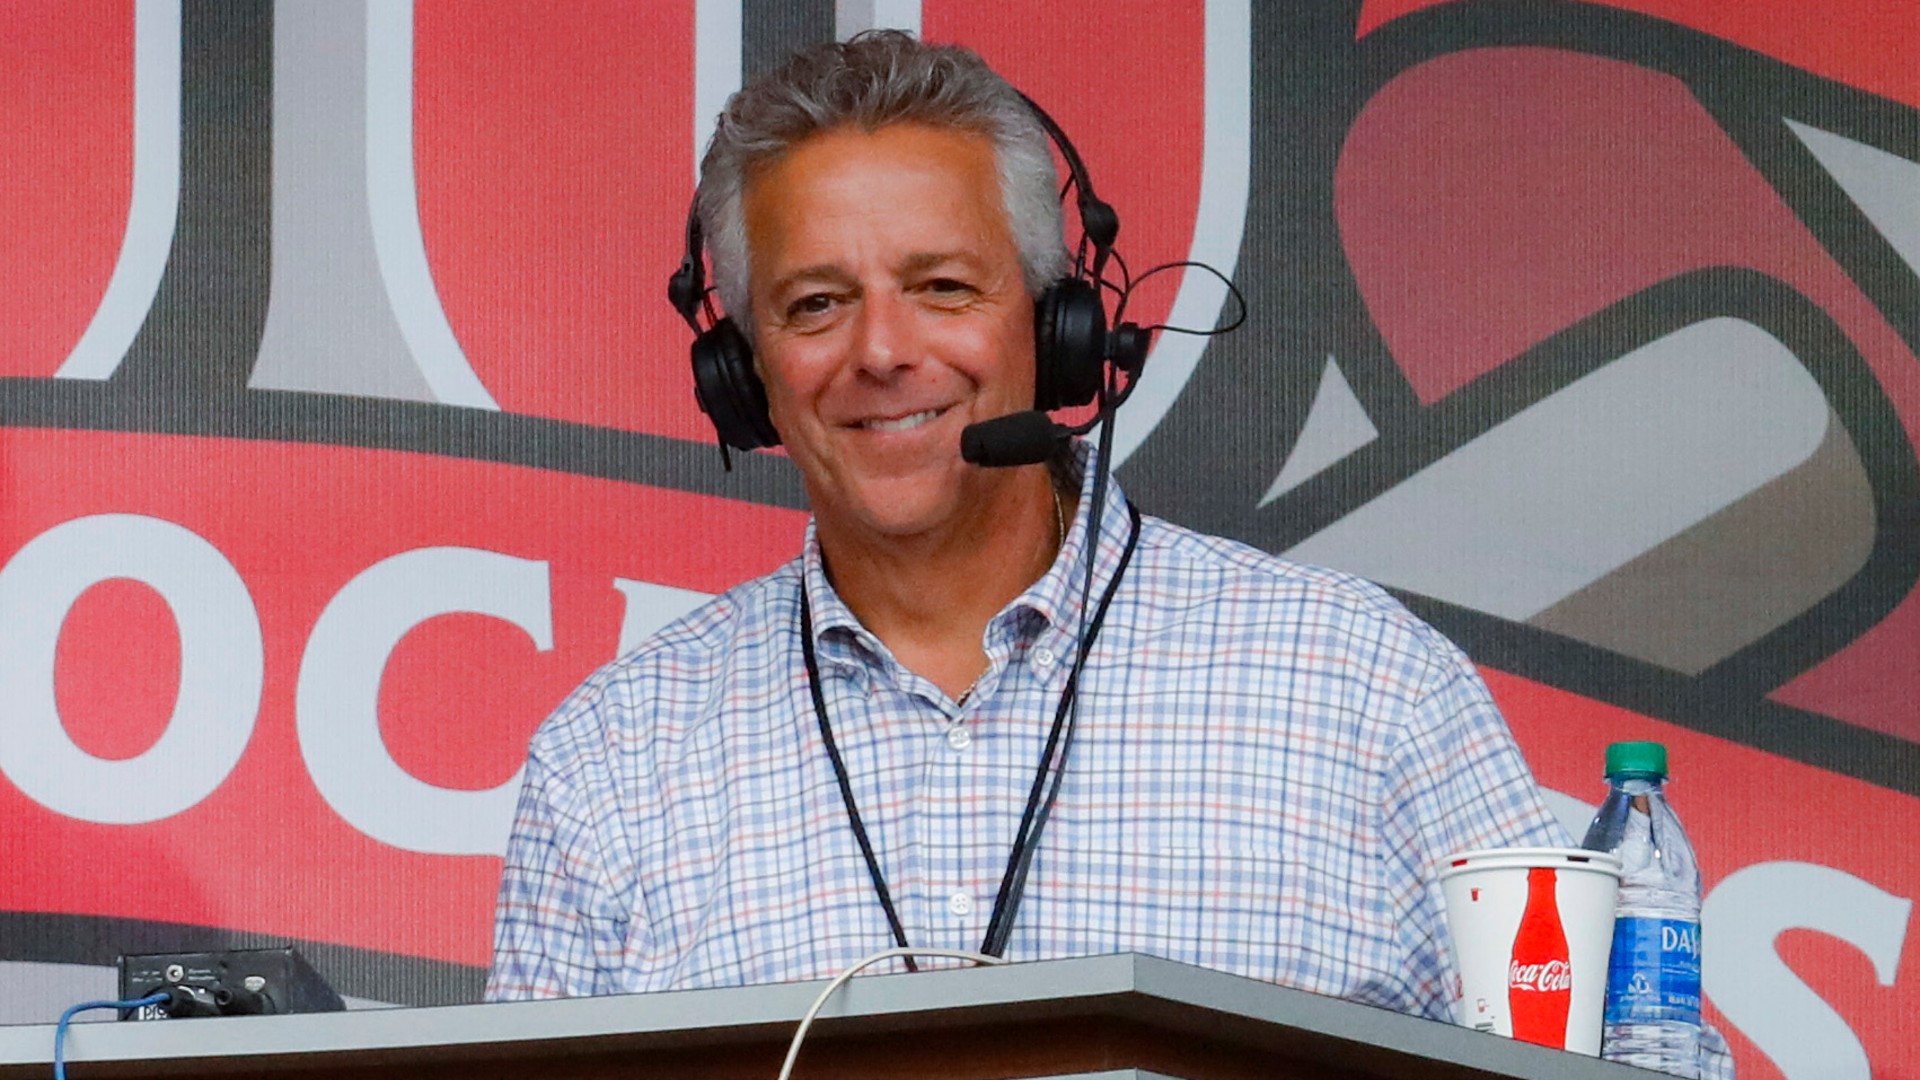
(1268, 758)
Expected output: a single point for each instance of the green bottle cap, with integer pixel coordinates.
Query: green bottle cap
(1643, 759)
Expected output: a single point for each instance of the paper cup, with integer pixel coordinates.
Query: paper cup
(1532, 929)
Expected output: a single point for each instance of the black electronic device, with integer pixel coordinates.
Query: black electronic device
(1071, 342)
(1022, 438)
(235, 982)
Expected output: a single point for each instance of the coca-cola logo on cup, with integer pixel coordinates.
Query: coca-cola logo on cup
(1552, 975)
(1539, 969)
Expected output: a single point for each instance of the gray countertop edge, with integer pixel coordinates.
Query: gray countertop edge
(1064, 986)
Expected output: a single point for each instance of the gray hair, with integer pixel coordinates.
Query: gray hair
(877, 78)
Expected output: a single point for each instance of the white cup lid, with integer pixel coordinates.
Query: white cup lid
(1559, 858)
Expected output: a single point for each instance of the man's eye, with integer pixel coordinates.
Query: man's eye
(810, 305)
(948, 289)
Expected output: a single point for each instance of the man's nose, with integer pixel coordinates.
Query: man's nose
(885, 333)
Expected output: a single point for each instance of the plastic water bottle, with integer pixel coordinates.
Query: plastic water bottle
(1653, 981)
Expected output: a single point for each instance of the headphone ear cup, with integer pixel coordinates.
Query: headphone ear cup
(729, 390)
(1069, 340)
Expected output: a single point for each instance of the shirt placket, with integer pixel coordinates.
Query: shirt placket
(954, 901)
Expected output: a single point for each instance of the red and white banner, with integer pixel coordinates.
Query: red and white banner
(344, 426)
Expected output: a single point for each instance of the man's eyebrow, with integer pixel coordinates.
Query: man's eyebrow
(835, 274)
(819, 272)
(920, 262)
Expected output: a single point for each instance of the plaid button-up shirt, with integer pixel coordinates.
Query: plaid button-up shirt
(1270, 759)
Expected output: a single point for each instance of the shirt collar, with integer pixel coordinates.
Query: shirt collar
(830, 613)
(1055, 597)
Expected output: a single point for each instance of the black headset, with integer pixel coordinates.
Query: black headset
(1071, 344)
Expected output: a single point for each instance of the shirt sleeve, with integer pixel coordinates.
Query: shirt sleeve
(560, 929)
(1456, 782)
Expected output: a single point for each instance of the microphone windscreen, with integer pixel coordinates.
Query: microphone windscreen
(1022, 438)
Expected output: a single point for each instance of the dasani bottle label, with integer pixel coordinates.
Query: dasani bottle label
(1654, 974)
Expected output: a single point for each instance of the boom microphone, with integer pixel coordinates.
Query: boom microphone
(1022, 438)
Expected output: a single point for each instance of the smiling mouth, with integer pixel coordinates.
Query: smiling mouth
(902, 423)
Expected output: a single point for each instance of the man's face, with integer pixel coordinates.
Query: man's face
(889, 312)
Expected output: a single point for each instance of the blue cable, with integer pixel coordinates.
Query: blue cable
(60, 1029)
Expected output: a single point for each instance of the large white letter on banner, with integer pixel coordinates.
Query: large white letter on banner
(1760, 994)
(220, 668)
(337, 702)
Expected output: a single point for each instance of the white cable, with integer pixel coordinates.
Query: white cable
(840, 980)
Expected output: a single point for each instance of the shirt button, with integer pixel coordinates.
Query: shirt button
(960, 904)
(1043, 657)
(959, 737)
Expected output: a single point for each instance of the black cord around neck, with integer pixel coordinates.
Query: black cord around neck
(1027, 837)
(1033, 820)
(840, 774)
